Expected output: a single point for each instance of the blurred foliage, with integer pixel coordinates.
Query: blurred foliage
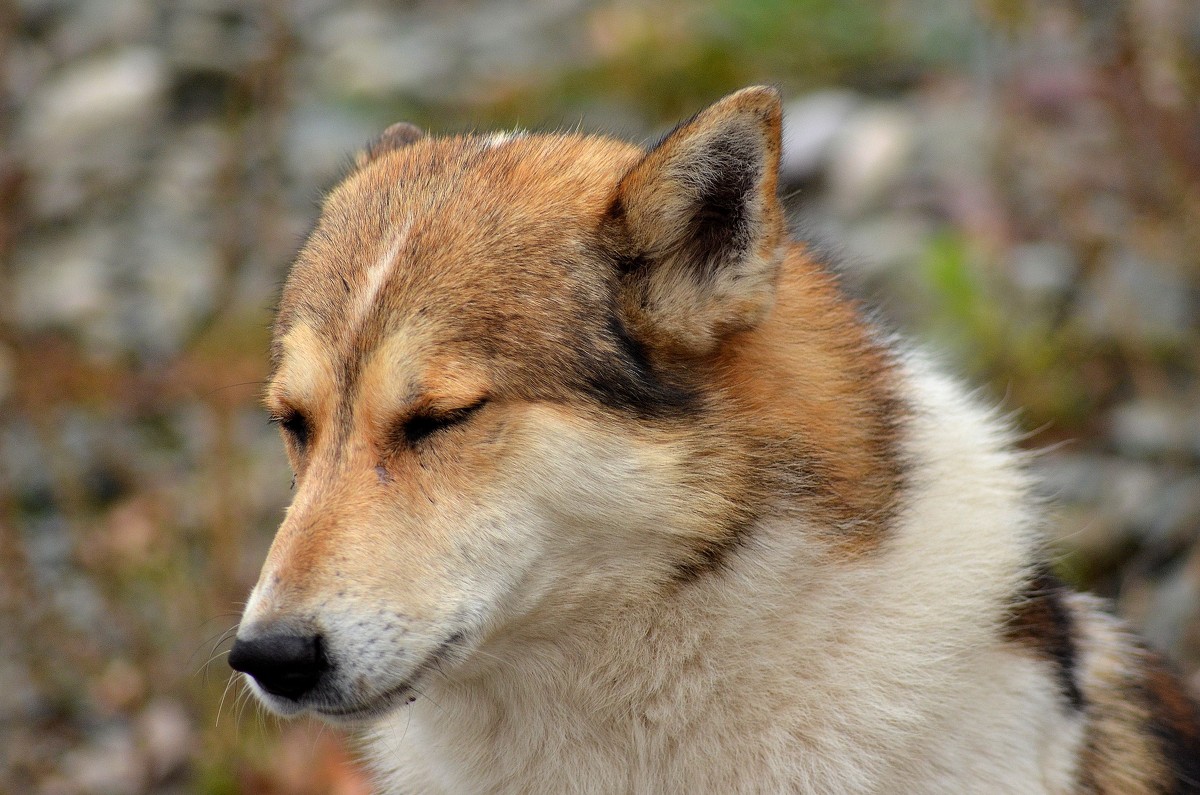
(1011, 350)
(671, 57)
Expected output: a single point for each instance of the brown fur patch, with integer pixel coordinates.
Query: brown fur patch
(820, 397)
(1042, 622)
(1174, 720)
(1142, 734)
(515, 215)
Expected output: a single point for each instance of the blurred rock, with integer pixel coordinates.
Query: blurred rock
(213, 36)
(1147, 428)
(956, 130)
(869, 156)
(26, 466)
(182, 180)
(80, 134)
(1131, 298)
(6, 372)
(63, 282)
(322, 139)
(91, 27)
(888, 245)
(369, 51)
(119, 687)
(378, 51)
(19, 698)
(1171, 606)
(79, 600)
(811, 127)
(1104, 507)
(167, 279)
(268, 475)
(1042, 272)
(176, 289)
(1121, 499)
(165, 734)
(110, 765)
(50, 551)
(27, 66)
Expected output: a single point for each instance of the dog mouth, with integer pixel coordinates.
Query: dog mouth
(392, 698)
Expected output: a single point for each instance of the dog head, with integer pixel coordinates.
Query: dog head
(491, 370)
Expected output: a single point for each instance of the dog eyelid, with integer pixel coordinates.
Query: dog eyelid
(424, 423)
(295, 424)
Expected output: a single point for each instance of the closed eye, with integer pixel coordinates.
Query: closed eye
(295, 425)
(420, 426)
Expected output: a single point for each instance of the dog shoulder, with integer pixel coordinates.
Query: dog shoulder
(1141, 728)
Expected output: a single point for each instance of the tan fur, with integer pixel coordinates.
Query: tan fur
(831, 387)
(603, 486)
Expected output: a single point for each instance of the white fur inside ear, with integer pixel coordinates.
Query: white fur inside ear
(696, 313)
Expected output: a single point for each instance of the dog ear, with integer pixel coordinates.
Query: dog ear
(700, 226)
(397, 136)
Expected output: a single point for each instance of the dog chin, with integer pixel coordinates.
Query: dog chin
(367, 712)
(336, 711)
(391, 699)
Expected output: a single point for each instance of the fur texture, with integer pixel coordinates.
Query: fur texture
(603, 486)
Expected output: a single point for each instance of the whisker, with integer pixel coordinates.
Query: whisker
(245, 699)
(221, 703)
(427, 698)
(404, 733)
(213, 656)
(220, 638)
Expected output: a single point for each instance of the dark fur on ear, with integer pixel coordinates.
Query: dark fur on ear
(700, 225)
(397, 136)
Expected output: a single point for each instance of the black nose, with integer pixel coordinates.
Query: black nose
(283, 664)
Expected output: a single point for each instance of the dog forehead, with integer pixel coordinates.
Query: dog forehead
(482, 231)
(486, 248)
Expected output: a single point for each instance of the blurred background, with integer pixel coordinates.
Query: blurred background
(1015, 182)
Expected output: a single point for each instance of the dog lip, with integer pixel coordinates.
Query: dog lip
(384, 702)
(285, 707)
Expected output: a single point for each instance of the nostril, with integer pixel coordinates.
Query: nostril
(283, 664)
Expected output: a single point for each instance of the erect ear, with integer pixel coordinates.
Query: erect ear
(397, 136)
(700, 225)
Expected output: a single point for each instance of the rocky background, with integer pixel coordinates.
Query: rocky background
(1015, 182)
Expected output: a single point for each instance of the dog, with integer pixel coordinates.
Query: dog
(602, 484)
